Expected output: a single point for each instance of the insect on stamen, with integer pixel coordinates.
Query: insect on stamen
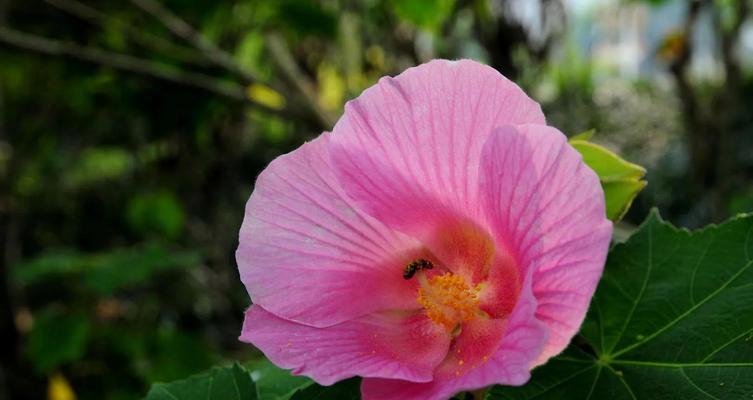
(415, 266)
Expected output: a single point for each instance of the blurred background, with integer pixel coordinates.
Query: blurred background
(131, 132)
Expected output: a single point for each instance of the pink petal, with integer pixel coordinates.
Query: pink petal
(547, 207)
(500, 291)
(385, 345)
(477, 342)
(309, 255)
(408, 149)
(508, 361)
(461, 246)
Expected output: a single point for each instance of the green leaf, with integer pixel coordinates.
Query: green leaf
(250, 50)
(346, 390)
(608, 165)
(621, 180)
(273, 383)
(124, 268)
(229, 383)
(106, 272)
(583, 136)
(98, 164)
(57, 338)
(167, 358)
(672, 318)
(50, 264)
(650, 2)
(307, 17)
(620, 195)
(426, 14)
(159, 212)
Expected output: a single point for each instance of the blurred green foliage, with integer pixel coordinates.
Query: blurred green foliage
(425, 14)
(57, 339)
(159, 213)
(104, 273)
(96, 165)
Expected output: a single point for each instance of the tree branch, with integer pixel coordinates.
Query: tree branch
(278, 49)
(727, 103)
(8, 360)
(98, 18)
(127, 63)
(730, 38)
(184, 31)
(281, 56)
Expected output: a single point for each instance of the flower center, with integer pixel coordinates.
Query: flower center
(448, 299)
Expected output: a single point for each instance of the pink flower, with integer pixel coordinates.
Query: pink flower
(442, 238)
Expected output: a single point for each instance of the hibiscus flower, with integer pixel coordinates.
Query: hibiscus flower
(441, 238)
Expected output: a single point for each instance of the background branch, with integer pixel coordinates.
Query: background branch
(183, 30)
(128, 63)
(726, 104)
(98, 18)
(278, 49)
(281, 56)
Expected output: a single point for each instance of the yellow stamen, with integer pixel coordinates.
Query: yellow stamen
(448, 299)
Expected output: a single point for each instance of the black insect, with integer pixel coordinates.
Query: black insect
(415, 266)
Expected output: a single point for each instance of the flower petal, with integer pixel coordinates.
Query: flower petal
(508, 364)
(547, 207)
(386, 345)
(407, 150)
(462, 247)
(309, 255)
(499, 293)
(477, 342)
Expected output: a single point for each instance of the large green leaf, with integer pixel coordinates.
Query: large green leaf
(268, 382)
(166, 358)
(672, 319)
(344, 390)
(274, 383)
(620, 179)
(229, 383)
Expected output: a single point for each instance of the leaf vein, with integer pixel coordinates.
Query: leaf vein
(695, 270)
(682, 371)
(686, 313)
(643, 288)
(724, 346)
(624, 383)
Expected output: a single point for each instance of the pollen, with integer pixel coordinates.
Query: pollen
(448, 299)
